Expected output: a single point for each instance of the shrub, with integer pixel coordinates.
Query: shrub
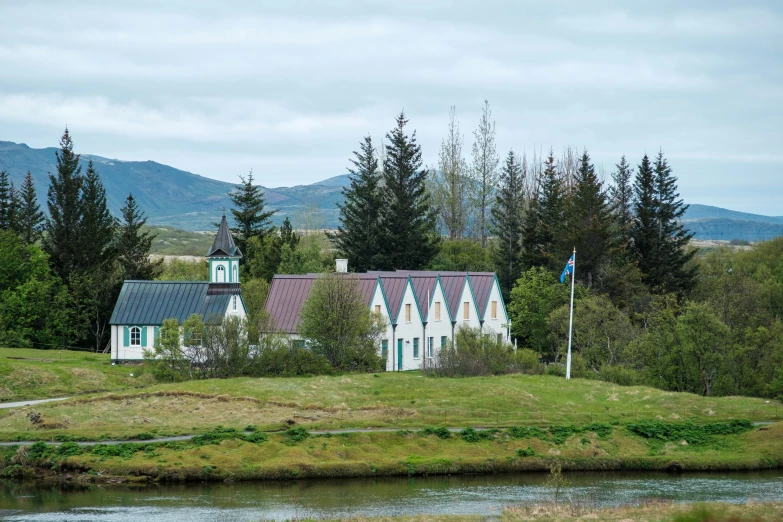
(524, 432)
(620, 375)
(124, 450)
(39, 451)
(471, 435)
(528, 452)
(689, 432)
(256, 437)
(68, 449)
(527, 361)
(474, 354)
(294, 435)
(215, 436)
(442, 433)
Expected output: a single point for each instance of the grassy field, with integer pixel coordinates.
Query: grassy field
(398, 400)
(38, 374)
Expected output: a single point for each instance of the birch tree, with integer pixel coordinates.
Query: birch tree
(450, 183)
(484, 171)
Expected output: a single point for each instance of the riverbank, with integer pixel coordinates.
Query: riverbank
(225, 454)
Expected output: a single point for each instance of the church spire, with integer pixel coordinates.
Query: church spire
(224, 242)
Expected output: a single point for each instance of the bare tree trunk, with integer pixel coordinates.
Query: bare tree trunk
(485, 163)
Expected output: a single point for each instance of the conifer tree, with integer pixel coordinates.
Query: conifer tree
(6, 202)
(65, 210)
(29, 217)
(645, 225)
(357, 236)
(532, 241)
(250, 216)
(589, 221)
(621, 201)
(673, 273)
(287, 234)
(551, 216)
(409, 236)
(98, 225)
(507, 223)
(133, 244)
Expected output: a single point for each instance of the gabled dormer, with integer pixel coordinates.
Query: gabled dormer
(224, 256)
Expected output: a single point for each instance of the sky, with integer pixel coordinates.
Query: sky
(289, 89)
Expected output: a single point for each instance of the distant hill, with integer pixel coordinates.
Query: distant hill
(184, 200)
(708, 222)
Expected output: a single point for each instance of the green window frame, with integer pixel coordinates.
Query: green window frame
(443, 340)
(298, 343)
(385, 348)
(415, 347)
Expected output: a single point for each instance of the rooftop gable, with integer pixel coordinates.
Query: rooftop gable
(224, 242)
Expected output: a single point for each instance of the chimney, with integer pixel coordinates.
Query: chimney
(342, 266)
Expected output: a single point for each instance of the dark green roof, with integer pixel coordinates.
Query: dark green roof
(224, 242)
(150, 302)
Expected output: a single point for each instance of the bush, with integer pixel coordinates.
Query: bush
(689, 432)
(442, 432)
(68, 449)
(620, 375)
(124, 450)
(256, 437)
(527, 361)
(215, 436)
(528, 452)
(39, 451)
(294, 435)
(524, 432)
(474, 354)
(471, 435)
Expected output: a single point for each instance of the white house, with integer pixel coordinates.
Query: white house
(142, 306)
(422, 309)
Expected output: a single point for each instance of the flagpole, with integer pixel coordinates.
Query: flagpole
(571, 320)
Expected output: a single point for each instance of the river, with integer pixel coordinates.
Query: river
(459, 494)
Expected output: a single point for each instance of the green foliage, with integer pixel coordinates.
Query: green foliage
(472, 435)
(474, 354)
(357, 237)
(250, 215)
(40, 451)
(526, 432)
(450, 185)
(29, 217)
(256, 437)
(461, 255)
(441, 433)
(68, 449)
(690, 433)
(124, 450)
(134, 244)
(408, 234)
(507, 223)
(182, 270)
(295, 435)
(215, 436)
(527, 452)
(336, 322)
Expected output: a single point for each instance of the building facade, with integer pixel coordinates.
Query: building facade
(142, 306)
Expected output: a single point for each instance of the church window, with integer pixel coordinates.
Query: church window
(221, 274)
(235, 303)
(135, 336)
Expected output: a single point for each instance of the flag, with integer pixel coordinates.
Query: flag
(569, 269)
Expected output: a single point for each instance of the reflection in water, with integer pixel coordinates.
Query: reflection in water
(460, 494)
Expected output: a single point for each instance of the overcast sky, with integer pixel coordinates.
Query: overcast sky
(289, 88)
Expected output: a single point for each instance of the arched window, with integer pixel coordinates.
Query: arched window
(135, 336)
(235, 303)
(221, 274)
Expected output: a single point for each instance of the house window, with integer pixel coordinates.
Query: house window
(385, 348)
(378, 309)
(466, 310)
(298, 343)
(234, 301)
(494, 309)
(407, 313)
(437, 310)
(221, 274)
(415, 347)
(443, 342)
(135, 336)
(430, 341)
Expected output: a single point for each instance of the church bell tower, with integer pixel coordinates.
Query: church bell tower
(224, 256)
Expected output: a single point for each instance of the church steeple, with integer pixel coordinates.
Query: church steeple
(224, 256)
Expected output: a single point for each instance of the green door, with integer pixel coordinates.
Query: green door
(399, 354)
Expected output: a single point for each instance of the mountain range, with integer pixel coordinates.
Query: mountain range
(181, 199)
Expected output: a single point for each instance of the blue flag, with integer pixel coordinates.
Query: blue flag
(569, 269)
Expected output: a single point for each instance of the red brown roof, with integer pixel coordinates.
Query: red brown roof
(452, 289)
(481, 283)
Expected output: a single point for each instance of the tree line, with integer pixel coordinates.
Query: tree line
(61, 272)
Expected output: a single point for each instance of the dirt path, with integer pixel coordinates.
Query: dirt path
(20, 404)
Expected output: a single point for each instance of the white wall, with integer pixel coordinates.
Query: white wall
(379, 301)
(240, 311)
(493, 326)
(408, 331)
(438, 328)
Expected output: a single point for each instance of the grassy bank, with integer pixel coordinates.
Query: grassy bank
(236, 455)
(39, 374)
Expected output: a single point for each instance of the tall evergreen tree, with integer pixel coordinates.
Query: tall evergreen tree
(6, 202)
(532, 241)
(673, 272)
(507, 223)
(98, 225)
(551, 216)
(61, 241)
(357, 236)
(30, 218)
(250, 216)
(409, 236)
(589, 221)
(133, 244)
(645, 224)
(621, 201)
(485, 164)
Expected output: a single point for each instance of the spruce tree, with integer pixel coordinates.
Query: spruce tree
(532, 241)
(287, 234)
(98, 225)
(644, 232)
(61, 241)
(29, 219)
(357, 236)
(589, 221)
(6, 202)
(409, 238)
(250, 216)
(133, 244)
(551, 216)
(621, 201)
(507, 223)
(673, 273)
